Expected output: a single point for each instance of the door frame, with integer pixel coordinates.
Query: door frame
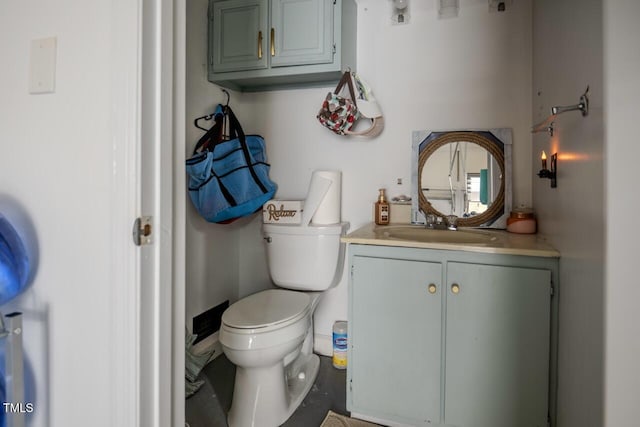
(147, 122)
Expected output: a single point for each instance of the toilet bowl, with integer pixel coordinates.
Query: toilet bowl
(263, 335)
(269, 335)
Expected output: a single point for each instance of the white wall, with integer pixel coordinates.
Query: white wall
(211, 250)
(57, 163)
(567, 56)
(622, 91)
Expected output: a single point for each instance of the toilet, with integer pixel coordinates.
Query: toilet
(269, 335)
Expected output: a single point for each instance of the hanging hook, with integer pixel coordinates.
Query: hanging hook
(228, 97)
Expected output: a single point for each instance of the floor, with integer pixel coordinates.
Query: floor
(208, 407)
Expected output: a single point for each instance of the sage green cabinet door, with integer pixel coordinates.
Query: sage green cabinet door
(302, 32)
(239, 35)
(497, 346)
(395, 339)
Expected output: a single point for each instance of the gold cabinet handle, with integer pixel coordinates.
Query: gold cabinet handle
(455, 288)
(259, 44)
(432, 288)
(273, 42)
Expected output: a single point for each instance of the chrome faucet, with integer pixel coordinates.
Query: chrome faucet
(429, 219)
(452, 222)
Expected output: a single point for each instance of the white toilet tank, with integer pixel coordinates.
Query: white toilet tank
(307, 258)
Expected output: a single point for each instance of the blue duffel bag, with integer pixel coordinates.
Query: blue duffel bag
(229, 178)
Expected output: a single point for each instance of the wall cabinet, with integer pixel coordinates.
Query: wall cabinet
(269, 44)
(450, 338)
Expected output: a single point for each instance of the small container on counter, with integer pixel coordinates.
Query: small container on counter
(381, 214)
(522, 221)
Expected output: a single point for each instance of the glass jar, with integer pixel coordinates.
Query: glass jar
(522, 221)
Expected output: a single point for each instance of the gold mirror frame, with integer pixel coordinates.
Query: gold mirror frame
(497, 208)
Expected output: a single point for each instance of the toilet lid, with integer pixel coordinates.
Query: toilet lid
(266, 308)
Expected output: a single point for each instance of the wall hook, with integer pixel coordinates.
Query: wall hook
(228, 96)
(547, 124)
(544, 126)
(582, 106)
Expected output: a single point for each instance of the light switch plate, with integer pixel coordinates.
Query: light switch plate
(42, 66)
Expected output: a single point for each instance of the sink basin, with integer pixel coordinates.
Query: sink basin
(421, 234)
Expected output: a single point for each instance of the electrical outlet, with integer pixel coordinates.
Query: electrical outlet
(42, 66)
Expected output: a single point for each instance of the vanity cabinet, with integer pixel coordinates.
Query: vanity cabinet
(450, 338)
(395, 338)
(269, 44)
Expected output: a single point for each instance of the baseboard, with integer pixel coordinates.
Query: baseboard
(323, 345)
(210, 342)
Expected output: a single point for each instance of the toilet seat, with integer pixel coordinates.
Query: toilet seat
(266, 311)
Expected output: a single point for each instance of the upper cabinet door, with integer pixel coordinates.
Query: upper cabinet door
(301, 32)
(239, 35)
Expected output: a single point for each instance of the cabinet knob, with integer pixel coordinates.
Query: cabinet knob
(259, 44)
(455, 288)
(432, 288)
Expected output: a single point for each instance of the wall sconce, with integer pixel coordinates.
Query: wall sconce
(448, 8)
(400, 12)
(549, 173)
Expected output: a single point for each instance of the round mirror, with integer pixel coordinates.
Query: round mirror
(462, 173)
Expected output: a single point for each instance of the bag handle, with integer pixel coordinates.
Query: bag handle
(235, 129)
(346, 79)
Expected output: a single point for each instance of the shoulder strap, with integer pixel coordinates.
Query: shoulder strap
(346, 79)
(235, 128)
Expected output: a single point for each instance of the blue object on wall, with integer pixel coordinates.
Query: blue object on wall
(484, 175)
(14, 262)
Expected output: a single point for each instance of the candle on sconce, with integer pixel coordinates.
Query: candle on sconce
(543, 157)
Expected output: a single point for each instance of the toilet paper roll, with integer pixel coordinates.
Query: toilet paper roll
(328, 211)
(318, 187)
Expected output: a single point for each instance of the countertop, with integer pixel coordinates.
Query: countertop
(492, 241)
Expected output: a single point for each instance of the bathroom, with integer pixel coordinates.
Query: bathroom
(473, 71)
(477, 70)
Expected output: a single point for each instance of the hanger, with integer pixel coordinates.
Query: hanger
(207, 117)
(211, 116)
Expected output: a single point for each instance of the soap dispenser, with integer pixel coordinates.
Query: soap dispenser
(382, 209)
